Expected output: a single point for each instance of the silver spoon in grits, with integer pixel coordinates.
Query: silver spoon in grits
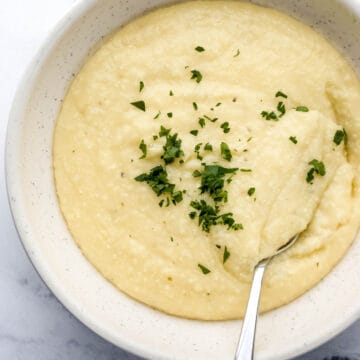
(245, 348)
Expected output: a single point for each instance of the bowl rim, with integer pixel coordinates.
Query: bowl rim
(22, 95)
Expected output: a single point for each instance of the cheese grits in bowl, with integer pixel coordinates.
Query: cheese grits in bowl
(157, 152)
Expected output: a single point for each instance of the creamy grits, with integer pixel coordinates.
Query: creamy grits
(197, 140)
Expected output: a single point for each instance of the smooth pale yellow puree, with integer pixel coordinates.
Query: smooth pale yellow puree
(153, 253)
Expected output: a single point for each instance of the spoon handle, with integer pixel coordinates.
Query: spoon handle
(245, 348)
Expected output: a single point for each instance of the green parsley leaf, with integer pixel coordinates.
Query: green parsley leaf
(171, 93)
(225, 127)
(226, 255)
(141, 86)
(199, 49)
(204, 269)
(318, 168)
(281, 109)
(197, 151)
(293, 139)
(237, 53)
(143, 149)
(158, 181)
(269, 115)
(139, 104)
(340, 136)
(195, 106)
(169, 114)
(302, 109)
(211, 119)
(172, 148)
(212, 181)
(209, 216)
(251, 191)
(281, 94)
(227, 219)
(208, 147)
(196, 75)
(245, 170)
(201, 122)
(177, 197)
(163, 131)
(157, 115)
(225, 151)
(194, 132)
(192, 215)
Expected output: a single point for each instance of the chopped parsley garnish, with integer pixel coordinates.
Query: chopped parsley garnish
(225, 127)
(225, 151)
(204, 269)
(281, 109)
(213, 181)
(281, 94)
(218, 104)
(192, 215)
(139, 104)
(171, 93)
(172, 147)
(269, 115)
(245, 170)
(251, 191)
(197, 151)
(196, 173)
(210, 119)
(195, 106)
(194, 132)
(163, 131)
(226, 255)
(196, 75)
(157, 115)
(158, 181)
(317, 167)
(293, 139)
(340, 136)
(201, 122)
(199, 49)
(237, 53)
(208, 147)
(210, 215)
(169, 114)
(143, 149)
(141, 86)
(302, 109)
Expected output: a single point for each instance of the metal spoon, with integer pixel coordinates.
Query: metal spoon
(245, 348)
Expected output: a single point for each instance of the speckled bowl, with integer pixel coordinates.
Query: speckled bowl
(284, 333)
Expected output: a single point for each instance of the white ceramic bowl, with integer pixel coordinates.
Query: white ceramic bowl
(284, 333)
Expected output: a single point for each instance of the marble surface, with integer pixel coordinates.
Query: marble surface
(33, 324)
